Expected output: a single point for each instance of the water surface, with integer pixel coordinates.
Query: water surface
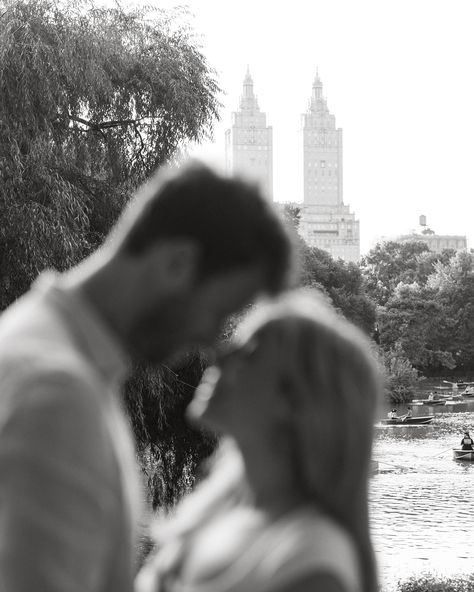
(422, 517)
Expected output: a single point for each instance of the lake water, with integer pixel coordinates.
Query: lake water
(422, 517)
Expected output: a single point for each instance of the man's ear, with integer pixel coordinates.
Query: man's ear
(173, 264)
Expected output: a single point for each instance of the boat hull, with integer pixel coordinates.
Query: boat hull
(459, 454)
(418, 420)
(428, 402)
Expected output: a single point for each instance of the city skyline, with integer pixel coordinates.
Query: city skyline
(398, 78)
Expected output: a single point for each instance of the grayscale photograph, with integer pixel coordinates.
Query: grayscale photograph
(236, 296)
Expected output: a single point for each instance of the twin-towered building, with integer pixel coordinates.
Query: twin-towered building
(249, 142)
(325, 222)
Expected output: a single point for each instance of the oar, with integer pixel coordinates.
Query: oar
(382, 462)
(437, 454)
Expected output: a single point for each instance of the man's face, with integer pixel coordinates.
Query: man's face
(194, 316)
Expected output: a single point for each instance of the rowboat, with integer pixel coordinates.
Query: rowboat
(418, 420)
(428, 401)
(453, 400)
(459, 454)
(458, 385)
(468, 392)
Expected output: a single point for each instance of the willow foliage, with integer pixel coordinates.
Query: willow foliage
(92, 100)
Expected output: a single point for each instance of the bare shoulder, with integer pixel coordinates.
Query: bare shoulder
(314, 582)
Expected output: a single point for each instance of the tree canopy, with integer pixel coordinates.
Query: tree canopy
(392, 262)
(425, 305)
(92, 100)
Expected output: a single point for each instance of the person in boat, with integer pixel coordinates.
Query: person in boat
(392, 414)
(467, 442)
(283, 508)
(408, 414)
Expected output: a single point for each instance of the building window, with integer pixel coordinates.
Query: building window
(323, 164)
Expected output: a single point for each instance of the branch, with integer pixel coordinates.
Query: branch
(139, 154)
(105, 124)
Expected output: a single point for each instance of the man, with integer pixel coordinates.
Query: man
(193, 248)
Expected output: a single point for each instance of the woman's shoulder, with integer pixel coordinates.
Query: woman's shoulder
(309, 544)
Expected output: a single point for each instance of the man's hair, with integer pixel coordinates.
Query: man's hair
(230, 220)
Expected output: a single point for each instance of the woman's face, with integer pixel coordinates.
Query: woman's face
(239, 394)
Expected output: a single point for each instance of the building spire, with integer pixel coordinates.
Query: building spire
(248, 85)
(318, 102)
(248, 100)
(317, 87)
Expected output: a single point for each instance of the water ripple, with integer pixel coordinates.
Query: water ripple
(420, 500)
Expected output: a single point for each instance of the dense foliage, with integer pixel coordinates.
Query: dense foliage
(92, 100)
(433, 583)
(425, 305)
(391, 263)
(342, 282)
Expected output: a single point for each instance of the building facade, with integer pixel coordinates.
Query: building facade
(326, 222)
(249, 141)
(436, 242)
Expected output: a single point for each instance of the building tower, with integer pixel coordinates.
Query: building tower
(249, 143)
(326, 222)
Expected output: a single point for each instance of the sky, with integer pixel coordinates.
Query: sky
(397, 75)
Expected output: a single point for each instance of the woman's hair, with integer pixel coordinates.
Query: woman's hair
(332, 382)
(330, 378)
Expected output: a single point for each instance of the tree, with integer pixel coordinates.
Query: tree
(292, 214)
(342, 282)
(432, 323)
(391, 262)
(453, 282)
(92, 100)
(401, 378)
(170, 448)
(414, 322)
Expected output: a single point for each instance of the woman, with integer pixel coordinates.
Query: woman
(285, 505)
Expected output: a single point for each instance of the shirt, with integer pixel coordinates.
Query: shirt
(273, 555)
(68, 478)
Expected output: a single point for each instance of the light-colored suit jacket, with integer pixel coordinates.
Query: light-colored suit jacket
(68, 478)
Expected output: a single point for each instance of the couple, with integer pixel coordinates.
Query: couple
(285, 505)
